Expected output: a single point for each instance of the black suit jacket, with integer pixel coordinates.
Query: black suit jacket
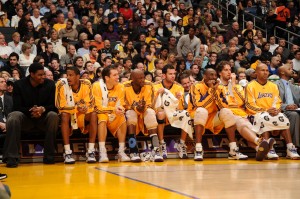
(8, 104)
(25, 96)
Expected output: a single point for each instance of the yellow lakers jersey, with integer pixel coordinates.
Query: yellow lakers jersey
(132, 98)
(82, 97)
(115, 97)
(261, 97)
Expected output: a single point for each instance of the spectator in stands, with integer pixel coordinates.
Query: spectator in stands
(48, 55)
(286, 52)
(266, 51)
(283, 16)
(162, 32)
(260, 36)
(107, 49)
(273, 67)
(212, 63)
(178, 29)
(13, 63)
(128, 50)
(16, 18)
(49, 75)
(174, 16)
(262, 9)
(45, 29)
(5, 50)
(218, 46)
(113, 16)
(6, 105)
(191, 23)
(78, 62)
(85, 49)
(68, 58)
(120, 46)
(69, 32)
(86, 118)
(60, 22)
(92, 56)
(30, 31)
(26, 58)
(98, 42)
(22, 25)
(233, 32)
(55, 69)
(88, 29)
(296, 61)
(273, 45)
(27, 111)
(209, 23)
(190, 14)
(4, 21)
(16, 44)
(46, 7)
(62, 7)
(36, 18)
(125, 11)
(289, 94)
(249, 26)
(99, 16)
(110, 35)
(188, 43)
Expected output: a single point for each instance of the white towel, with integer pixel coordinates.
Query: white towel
(104, 91)
(264, 122)
(70, 101)
(177, 118)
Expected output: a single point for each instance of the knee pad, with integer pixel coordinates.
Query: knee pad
(201, 116)
(150, 119)
(226, 116)
(131, 117)
(242, 123)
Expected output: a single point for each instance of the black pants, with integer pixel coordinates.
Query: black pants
(18, 121)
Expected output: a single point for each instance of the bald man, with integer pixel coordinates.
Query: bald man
(263, 103)
(290, 95)
(203, 109)
(140, 115)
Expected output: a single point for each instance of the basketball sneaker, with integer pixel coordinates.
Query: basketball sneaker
(263, 149)
(90, 157)
(291, 153)
(134, 157)
(163, 150)
(103, 155)
(236, 155)
(122, 157)
(156, 155)
(272, 155)
(181, 148)
(68, 156)
(146, 156)
(198, 154)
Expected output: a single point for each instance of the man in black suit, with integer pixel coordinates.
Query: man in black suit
(33, 105)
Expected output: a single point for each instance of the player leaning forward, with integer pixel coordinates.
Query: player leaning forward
(140, 115)
(75, 103)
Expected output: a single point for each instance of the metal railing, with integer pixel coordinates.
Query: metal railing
(255, 18)
(289, 33)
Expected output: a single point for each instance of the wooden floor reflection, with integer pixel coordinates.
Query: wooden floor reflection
(211, 179)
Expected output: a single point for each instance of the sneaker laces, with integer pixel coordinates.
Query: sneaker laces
(69, 156)
(183, 148)
(272, 151)
(293, 149)
(91, 155)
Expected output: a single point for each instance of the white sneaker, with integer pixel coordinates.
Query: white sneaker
(163, 150)
(122, 157)
(103, 156)
(198, 154)
(237, 155)
(291, 153)
(146, 156)
(134, 157)
(272, 155)
(68, 156)
(90, 157)
(181, 148)
(156, 155)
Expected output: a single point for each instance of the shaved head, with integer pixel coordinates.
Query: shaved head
(138, 78)
(285, 71)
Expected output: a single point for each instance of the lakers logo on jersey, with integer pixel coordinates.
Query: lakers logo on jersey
(112, 99)
(264, 95)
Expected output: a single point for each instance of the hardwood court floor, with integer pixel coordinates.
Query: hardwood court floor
(211, 179)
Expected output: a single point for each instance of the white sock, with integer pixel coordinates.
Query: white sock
(289, 145)
(198, 145)
(256, 148)
(232, 146)
(102, 146)
(91, 147)
(256, 140)
(182, 141)
(67, 148)
(162, 141)
(121, 146)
